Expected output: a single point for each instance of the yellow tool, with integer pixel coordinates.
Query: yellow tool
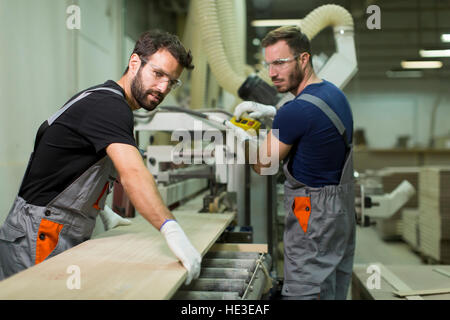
(246, 123)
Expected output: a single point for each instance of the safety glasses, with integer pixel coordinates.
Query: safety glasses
(160, 76)
(279, 63)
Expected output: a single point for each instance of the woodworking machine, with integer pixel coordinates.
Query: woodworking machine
(193, 165)
(232, 185)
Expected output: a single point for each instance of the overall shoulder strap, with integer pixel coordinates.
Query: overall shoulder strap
(322, 105)
(44, 126)
(81, 96)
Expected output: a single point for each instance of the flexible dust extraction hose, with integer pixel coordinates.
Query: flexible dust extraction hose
(232, 20)
(325, 16)
(213, 45)
(221, 67)
(229, 31)
(252, 87)
(342, 65)
(198, 79)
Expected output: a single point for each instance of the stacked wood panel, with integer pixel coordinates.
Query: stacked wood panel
(434, 217)
(410, 232)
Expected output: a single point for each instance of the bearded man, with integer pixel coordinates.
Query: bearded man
(82, 149)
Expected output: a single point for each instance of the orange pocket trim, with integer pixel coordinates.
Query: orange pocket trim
(101, 195)
(47, 238)
(302, 210)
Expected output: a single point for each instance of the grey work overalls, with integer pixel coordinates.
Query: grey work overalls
(32, 233)
(319, 236)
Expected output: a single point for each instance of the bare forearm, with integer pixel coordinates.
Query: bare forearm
(257, 168)
(259, 165)
(138, 183)
(263, 159)
(144, 195)
(269, 155)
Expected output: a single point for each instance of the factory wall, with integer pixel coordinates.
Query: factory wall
(392, 108)
(43, 63)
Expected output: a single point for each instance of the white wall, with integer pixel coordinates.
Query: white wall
(42, 64)
(390, 108)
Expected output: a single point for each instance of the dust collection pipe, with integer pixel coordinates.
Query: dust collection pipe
(213, 45)
(232, 25)
(230, 35)
(199, 73)
(342, 65)
(313, 23)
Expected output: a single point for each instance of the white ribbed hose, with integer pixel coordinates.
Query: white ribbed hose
(198, 79)
(229, 30)
(213, 45)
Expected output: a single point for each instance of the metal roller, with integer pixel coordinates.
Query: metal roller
(229, 276)
(225, 273)
(247, 264)
(225, 285)
(206, 295)
(232, 255)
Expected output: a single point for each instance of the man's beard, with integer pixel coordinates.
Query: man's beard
(140, 94)
(294, 80)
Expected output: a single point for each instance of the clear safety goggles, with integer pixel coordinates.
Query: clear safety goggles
(161, 76)
(279, 63)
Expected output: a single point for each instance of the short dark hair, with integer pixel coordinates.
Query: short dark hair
(153, 40)
(297, 41)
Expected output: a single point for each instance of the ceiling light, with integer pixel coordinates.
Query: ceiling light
(445, 37)
(434, 53)
(421, 64)
(404, 74)
(275, 22)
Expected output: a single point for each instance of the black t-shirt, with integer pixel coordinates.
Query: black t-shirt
(76, 141)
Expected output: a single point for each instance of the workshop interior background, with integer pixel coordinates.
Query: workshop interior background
(401, 120)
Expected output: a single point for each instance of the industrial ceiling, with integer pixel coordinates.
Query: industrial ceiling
(406, 27)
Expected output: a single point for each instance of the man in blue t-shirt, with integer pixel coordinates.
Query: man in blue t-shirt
(313, 133)
(318, 150)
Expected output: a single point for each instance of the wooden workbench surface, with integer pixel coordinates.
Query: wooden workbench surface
(128, 262)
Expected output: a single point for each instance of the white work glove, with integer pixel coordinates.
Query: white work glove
(111, 219)
(255, 110)
(182, 248)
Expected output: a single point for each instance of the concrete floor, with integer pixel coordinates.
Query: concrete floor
(371, 248)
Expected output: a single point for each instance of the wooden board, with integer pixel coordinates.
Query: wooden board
(410, 234)
(434, 213)
(129, 262)
(421, 292)
(396, 282)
